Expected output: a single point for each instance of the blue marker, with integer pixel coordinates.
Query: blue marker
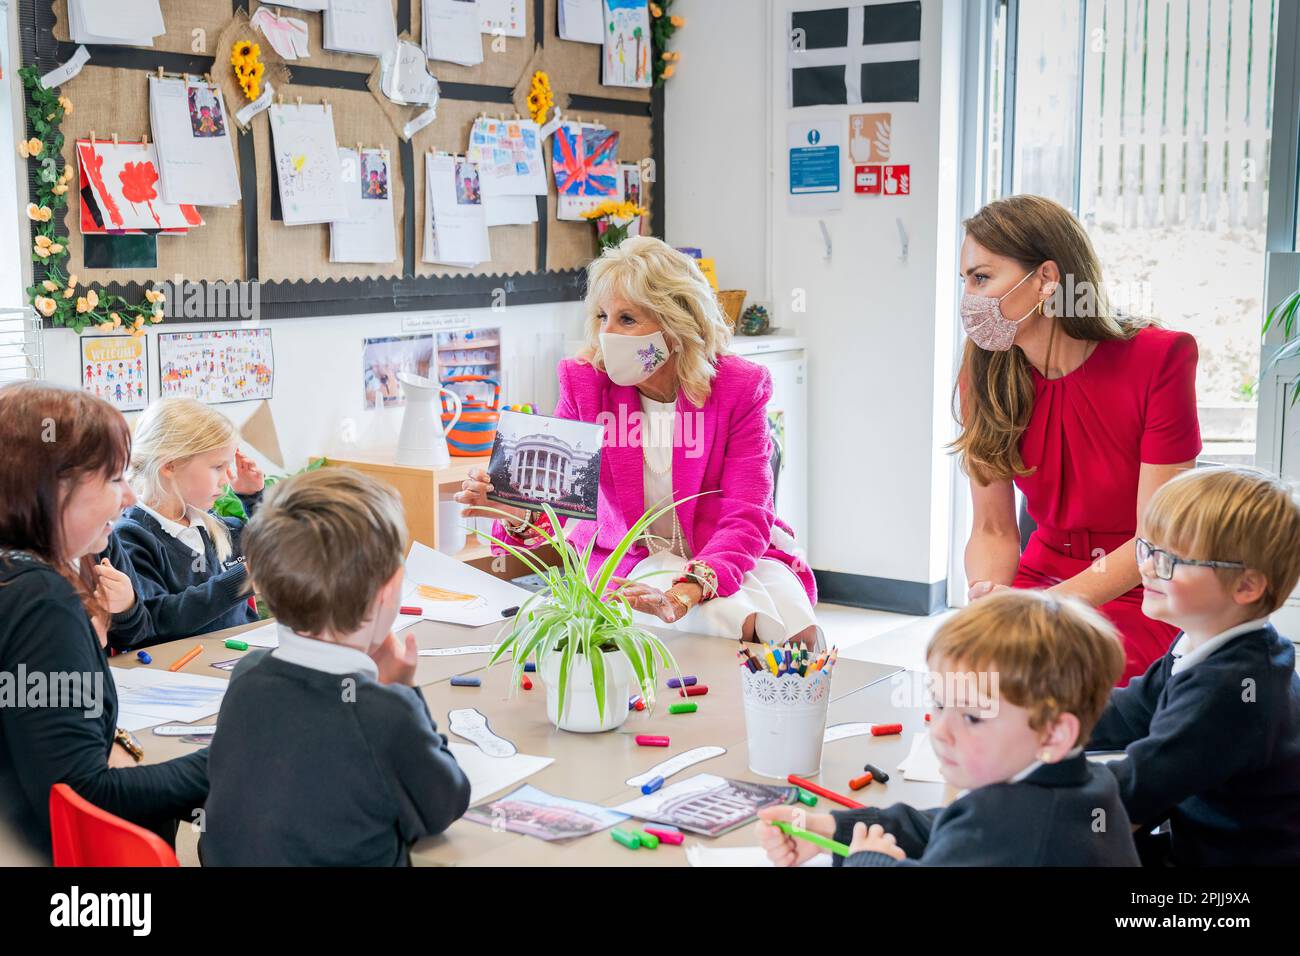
(144, 657)
(652, 785)
(530, 667)
(466, 682)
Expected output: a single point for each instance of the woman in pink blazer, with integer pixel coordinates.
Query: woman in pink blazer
(682, 417)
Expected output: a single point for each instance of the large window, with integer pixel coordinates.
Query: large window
(1151, 119)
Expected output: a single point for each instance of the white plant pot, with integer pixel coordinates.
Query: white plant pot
(580, 713)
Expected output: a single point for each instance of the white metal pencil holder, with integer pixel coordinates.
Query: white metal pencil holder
(785, 720)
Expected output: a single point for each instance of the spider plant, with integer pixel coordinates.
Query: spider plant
(574, 615)
(1285, 314)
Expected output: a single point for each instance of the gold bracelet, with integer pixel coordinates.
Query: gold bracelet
(516, 530)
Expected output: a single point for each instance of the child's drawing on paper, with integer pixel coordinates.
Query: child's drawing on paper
(374, 176)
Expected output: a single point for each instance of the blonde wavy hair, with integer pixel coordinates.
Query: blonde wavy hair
(994, 394)
(652, 275)
(171, 431)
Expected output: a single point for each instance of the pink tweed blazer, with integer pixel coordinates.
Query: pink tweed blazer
(729, 455)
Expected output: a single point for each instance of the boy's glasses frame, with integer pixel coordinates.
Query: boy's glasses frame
(1165, 563)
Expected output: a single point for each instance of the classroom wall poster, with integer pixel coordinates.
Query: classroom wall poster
(814, 175)
(381, 360)
(115, 368)
(215, 367)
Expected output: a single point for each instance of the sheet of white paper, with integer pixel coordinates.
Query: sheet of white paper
(307, 163)
(124, 22)
(366, 233)
(314, 6)
(453, 31)
(582, 20)
(192, 130)
(921, 763)
(458, 217)
(509, 210)
(489, 775)
(492, 595)
(267, 635)
(159, 696)
(697, 854)
(360, 26)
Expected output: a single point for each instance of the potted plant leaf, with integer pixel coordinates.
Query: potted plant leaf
(589, 652)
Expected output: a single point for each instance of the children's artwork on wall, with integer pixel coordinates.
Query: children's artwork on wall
(225, 365)
(626, 59)
(584, 159)
(115, 368)
(507, 18)
(858, 54)
(119, 191)
(869, 137)
(307, 164)
(540, 460)
(196, 156)
(381, 360)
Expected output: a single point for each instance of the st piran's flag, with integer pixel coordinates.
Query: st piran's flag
(862, 54)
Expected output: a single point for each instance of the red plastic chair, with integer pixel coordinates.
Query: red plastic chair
(85, 835)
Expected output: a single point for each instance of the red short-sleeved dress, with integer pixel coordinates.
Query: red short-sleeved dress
(1130, 402)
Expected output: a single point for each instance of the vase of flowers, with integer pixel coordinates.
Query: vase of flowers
(615, 221)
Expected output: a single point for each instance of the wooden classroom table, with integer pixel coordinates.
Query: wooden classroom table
(594, 767)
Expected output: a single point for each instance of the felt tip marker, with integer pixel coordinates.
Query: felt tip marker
(689, 681)
(197, 650)
(886, 730)
(650, 786)
(410, 610)
(144, 657)
(857, 783)
(823, 792)
(466, 682)
(699, 690)
(683, 708)
(236, 645)
(651, 740)
(671, 837)
(876, 773)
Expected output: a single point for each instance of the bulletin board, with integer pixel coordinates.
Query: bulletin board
(540, 262)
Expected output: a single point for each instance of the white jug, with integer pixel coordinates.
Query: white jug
(422, 442)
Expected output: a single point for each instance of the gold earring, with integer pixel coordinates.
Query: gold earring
(1044, 756)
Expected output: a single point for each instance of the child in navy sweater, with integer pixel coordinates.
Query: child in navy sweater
(325, 753)
(1211, 732)
(186, 561)
(1018, 679)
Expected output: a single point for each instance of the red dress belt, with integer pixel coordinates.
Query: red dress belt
(1081, 544)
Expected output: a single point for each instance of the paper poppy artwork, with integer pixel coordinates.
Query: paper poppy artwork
(119, 191)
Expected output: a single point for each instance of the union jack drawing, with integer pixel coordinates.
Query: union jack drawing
(585, 160)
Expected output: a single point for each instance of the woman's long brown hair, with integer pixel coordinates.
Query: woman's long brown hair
(994, 393)
(51, 438)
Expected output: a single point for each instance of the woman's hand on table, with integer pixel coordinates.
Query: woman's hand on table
(785, 850)
(473, 494)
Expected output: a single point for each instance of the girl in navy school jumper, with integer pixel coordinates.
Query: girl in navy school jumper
(187, 562)
(1019, 678)
(1211, 732)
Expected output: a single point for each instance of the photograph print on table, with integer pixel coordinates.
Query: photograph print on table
(539, 460)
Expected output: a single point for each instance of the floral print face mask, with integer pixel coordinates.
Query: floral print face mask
(631, 359)
(987, 327)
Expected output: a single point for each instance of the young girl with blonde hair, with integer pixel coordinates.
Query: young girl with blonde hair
(188, 561)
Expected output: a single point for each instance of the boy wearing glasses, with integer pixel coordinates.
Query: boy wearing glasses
(1211, 732)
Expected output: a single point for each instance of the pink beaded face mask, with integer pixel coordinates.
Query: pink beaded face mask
(982, 318)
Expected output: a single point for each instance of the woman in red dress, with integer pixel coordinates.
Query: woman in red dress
(1085, 411)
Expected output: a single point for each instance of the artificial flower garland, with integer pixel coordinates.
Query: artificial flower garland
(662, 27)
(540, 97)
(55, 295)
(246, 58)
